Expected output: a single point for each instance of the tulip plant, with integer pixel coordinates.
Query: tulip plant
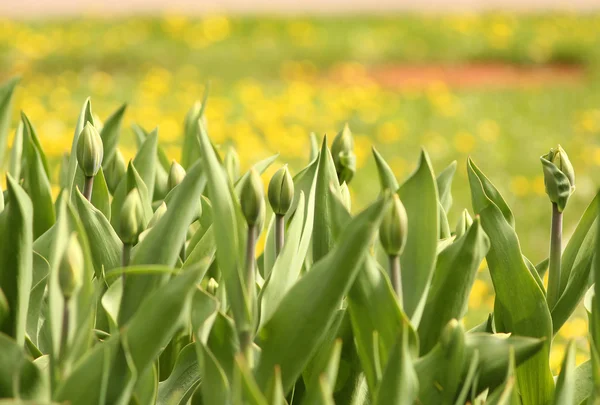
(144, 281)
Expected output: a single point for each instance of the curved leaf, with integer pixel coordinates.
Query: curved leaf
(419, 196)
(313, 300)
(387, 179)
(105, 246)
(444, 185)
(110, 134)
(6, 95)
(520, 305)
(454, 275)
(183, 381)
(16, 241)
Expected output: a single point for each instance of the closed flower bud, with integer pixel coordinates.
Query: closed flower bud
(232, 164)
(115, 171)
(252, 198)
(281, 191)
(559, 176)
(464, 222)
(89, 150)
(176, 175)
(394, 227)
(70, 270)
(212, 287)
(345, 192)
(342, 150)
(132, 218)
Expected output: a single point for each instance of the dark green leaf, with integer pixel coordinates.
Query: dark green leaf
(6, 94)
(110, 134)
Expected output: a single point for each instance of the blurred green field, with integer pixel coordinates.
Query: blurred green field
(273, 80)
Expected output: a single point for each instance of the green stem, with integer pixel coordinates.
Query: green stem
(395, 276)
(555, 257)
(279, 233)
(245, 336)
(87, 188)
(65, 329)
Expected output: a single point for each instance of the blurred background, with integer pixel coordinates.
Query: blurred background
(501, 81)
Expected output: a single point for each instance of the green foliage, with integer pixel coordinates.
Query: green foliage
(185, 312)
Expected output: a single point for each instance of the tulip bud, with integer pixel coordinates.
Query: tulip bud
(252, 198)
(176, 175)
(345, 192)
(70, 270)
(464, 222)
(132, 218)
(212, 287)
(342, 150)
(232, 164)
(115, 171)
(281, 191)
(559, 176)
(393, 229)
(89, 150)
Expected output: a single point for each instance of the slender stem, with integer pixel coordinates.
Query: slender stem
(395, 276)
(87, 188)
(555, 257)
(245, 336)
(65, 329)
(279, 233)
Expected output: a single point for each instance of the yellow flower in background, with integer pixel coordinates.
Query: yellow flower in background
(216, 28)
(519, 186)
(464, 142)
(574, 328)
(537, 185)
(488, 130)
(478, 293)
(390, 132)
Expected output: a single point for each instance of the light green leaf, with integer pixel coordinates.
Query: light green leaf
(150, 329)
(183, 381)
(191, 149)
(105, 245)
(583, 382)
(399, 384)
(145, 161)
(576, 265)
(16, 153)
(110, 134)
(329, 373)
(419, 196)
(453, 278)
(494, 355)
(387, 179)
(101, 195)
(6, 95)
(245, 384)
(444, 185)
(19, 377)
(164, 241)
(37, 183)
(507, 393)
(565, 385)
(230, 232)
(520, 305)
(287, 267)
(323, 240)
(215, 387)
(16, 241)
(313, 300)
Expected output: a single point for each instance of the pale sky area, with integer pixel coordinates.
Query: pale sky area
(37, 8)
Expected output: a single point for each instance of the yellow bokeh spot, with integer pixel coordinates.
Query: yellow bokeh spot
(488, 130)
(216, 28)
(478, 293)
(574, 328)
(519, 186)
(537, 185)
(390, 132)
(464, 142)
